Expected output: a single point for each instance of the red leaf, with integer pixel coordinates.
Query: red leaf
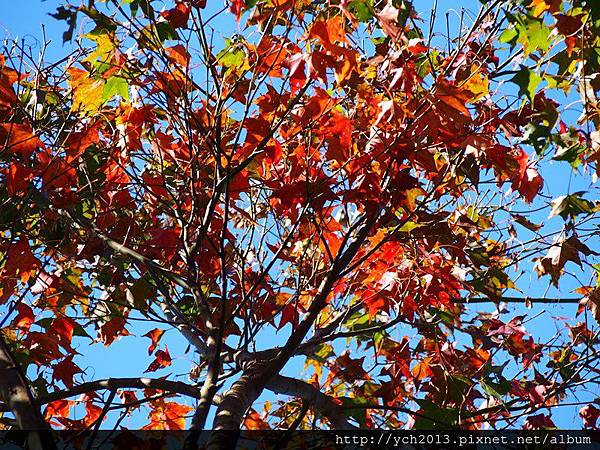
(330, 33)
(589, 414)
(388, 18)
(178, 54)
(18, 138)
(20, 260)
(538, 422)
(254, 421)
(113, 329)
(237, 7)
(530, 184)
(178, 16)
(92, 413)
(154, 336)
(63, 327)
(17, 178)
(58, 408)
(24, 319)
(128, 397)
(7, 78)
(162, 360)
(297, 66)
(65, 371)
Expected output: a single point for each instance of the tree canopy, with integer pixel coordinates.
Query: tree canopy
(399, 197)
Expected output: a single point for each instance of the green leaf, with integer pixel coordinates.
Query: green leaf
(165, 31)
(572, 205)
(528, 81)
(509, 36)
(489, 390)
(537, 135)
(115, 86)
(409, 226)
(534, 35)
(232, 56)
(358, 321)
(322, 352)
(362, 10)
(435, 416)
(359, 414)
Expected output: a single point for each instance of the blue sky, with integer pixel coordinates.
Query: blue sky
(127, 357)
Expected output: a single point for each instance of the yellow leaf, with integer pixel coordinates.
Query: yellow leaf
(87, 91)
(478, 84)
(105, 46)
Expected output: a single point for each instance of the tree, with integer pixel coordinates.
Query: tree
(356, 185)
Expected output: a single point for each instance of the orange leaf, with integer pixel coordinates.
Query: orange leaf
(162, 360)
(24, 319)
(254, 421)
(18, 138)
(155, 336)
(168, 416)
(58, 408)
(422, 369)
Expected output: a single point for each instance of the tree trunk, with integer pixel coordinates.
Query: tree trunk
(15, 392)
(232, 408)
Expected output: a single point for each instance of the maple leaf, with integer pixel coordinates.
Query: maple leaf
(388, 18)
(154, 336)
(530, 184)
(237, 7)
(177, 16)
(162, 360)
(453, 96)
(538, 7)
(330, 32)
(63, 328)
(20, 261)
(539, 422)
(128, 397)
(8, 77)
(253, 421)
(19, 139)
(17, 178)
(65, 370)
(58, 408)
(591, 300)
(524, 221)
(92, 413)
(422, 369)
(87, 91)
(179, 55)
(167, 416)
(43, 347)
(562, 251)
(24, 318)
(589, 414)
(113, 329)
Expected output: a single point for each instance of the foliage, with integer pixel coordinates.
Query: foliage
(336, 181)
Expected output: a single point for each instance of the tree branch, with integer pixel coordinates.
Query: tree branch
(281, 384)
(120, 383)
